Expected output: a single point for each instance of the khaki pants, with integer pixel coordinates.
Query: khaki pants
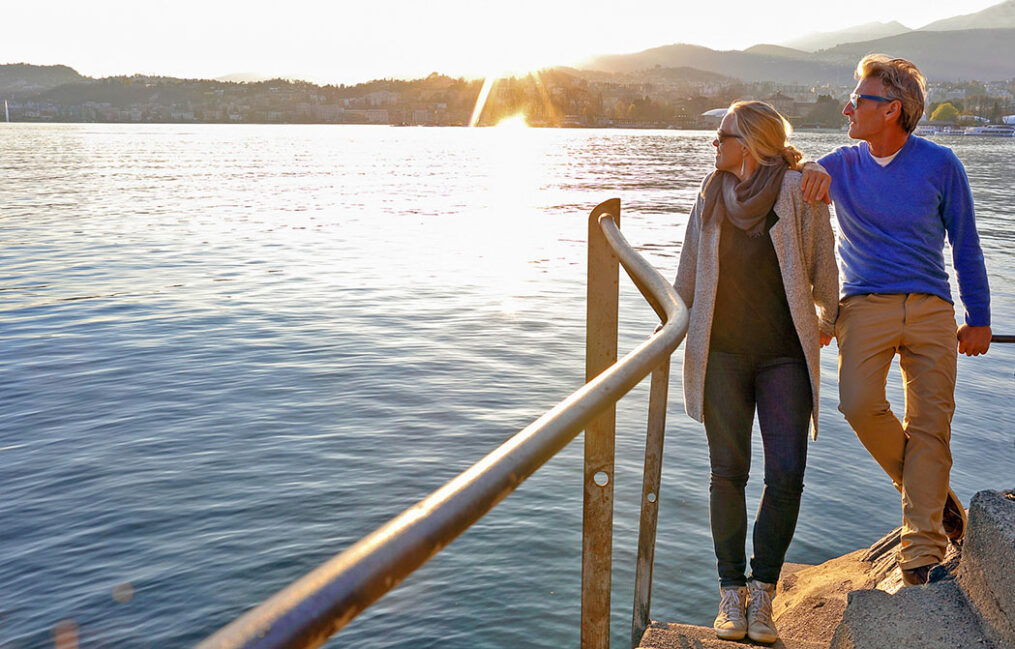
(915, 453)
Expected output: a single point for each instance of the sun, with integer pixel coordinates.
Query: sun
(517, 120)
(488, 82)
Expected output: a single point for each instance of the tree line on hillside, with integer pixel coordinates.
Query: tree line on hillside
(969, 110)
(658, 97)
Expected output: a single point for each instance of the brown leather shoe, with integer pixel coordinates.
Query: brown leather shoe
(954, 518)
(917, 576)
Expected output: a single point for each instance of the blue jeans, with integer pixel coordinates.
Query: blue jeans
(780, 388)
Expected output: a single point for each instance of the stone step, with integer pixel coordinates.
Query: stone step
(987, 571)
(661, 635)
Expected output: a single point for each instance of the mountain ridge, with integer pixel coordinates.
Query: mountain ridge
(823, 40)
(955, 55)
(24, 79)
(999, 16)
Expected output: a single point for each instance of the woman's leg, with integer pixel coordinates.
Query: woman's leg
(784, 412)
(729, 415)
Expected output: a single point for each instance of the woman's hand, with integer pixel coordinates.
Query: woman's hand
(825, 338)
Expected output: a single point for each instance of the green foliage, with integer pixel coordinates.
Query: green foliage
(945, 112)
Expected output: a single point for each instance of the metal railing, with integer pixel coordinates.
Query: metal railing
(308, 611)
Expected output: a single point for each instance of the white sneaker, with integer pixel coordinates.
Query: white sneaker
(731, 623)
(760, 626)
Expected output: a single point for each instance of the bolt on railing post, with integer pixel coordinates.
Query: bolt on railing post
(597, 512)
(650, 500)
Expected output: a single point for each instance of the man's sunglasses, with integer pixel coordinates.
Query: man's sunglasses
(855, 97)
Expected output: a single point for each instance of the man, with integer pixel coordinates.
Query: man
(897, 196)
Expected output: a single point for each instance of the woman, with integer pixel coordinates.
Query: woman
(757, 269)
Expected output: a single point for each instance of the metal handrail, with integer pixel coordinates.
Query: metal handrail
(308, 611)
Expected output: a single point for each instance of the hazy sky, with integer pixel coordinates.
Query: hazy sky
(347, 41)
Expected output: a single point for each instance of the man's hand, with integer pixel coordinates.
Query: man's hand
(815, 182)
(825, 339)
(973, 341)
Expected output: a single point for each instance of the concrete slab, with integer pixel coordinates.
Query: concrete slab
(660, 635)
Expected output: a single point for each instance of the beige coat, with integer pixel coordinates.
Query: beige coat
(805, 246)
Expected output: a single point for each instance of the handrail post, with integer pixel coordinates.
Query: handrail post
(650, 500)
(597, 512)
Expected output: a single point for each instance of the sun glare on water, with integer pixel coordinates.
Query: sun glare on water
(514, 121)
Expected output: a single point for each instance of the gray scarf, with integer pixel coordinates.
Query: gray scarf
(747, 203)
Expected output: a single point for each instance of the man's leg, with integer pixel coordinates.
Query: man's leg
(868, 331)
(928, 359)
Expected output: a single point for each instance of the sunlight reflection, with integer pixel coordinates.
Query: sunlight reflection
(514, 163)
(514, 121)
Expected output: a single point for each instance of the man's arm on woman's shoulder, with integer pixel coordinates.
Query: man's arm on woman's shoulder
(815, 182)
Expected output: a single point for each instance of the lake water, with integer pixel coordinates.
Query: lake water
(228, 352)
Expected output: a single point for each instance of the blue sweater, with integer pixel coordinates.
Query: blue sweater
(893, 221)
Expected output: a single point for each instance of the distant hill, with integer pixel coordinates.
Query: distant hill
(651, 75)
(684, 73)
(963, 55)
(1000, 16)
(781, 67)
(775, 50)
(23, 79)
(823, 40)
(254, 77)
(242, 77)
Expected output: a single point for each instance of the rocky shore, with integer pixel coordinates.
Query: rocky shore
(857, 601)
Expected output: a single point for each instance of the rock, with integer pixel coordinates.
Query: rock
(935, 616)
(987, 571)
(809, 602)
(857, 601)
(812, 603)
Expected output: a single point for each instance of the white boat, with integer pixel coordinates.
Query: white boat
(925, 130)
(994, 130)
(952, 130)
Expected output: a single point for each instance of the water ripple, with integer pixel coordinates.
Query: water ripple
(228, 352)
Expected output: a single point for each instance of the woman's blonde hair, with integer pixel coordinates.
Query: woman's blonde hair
(765, 133)
(901, 80)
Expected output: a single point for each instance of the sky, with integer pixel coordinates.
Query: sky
(350, 41)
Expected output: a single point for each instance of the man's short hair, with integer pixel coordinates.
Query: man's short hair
(901, 80)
